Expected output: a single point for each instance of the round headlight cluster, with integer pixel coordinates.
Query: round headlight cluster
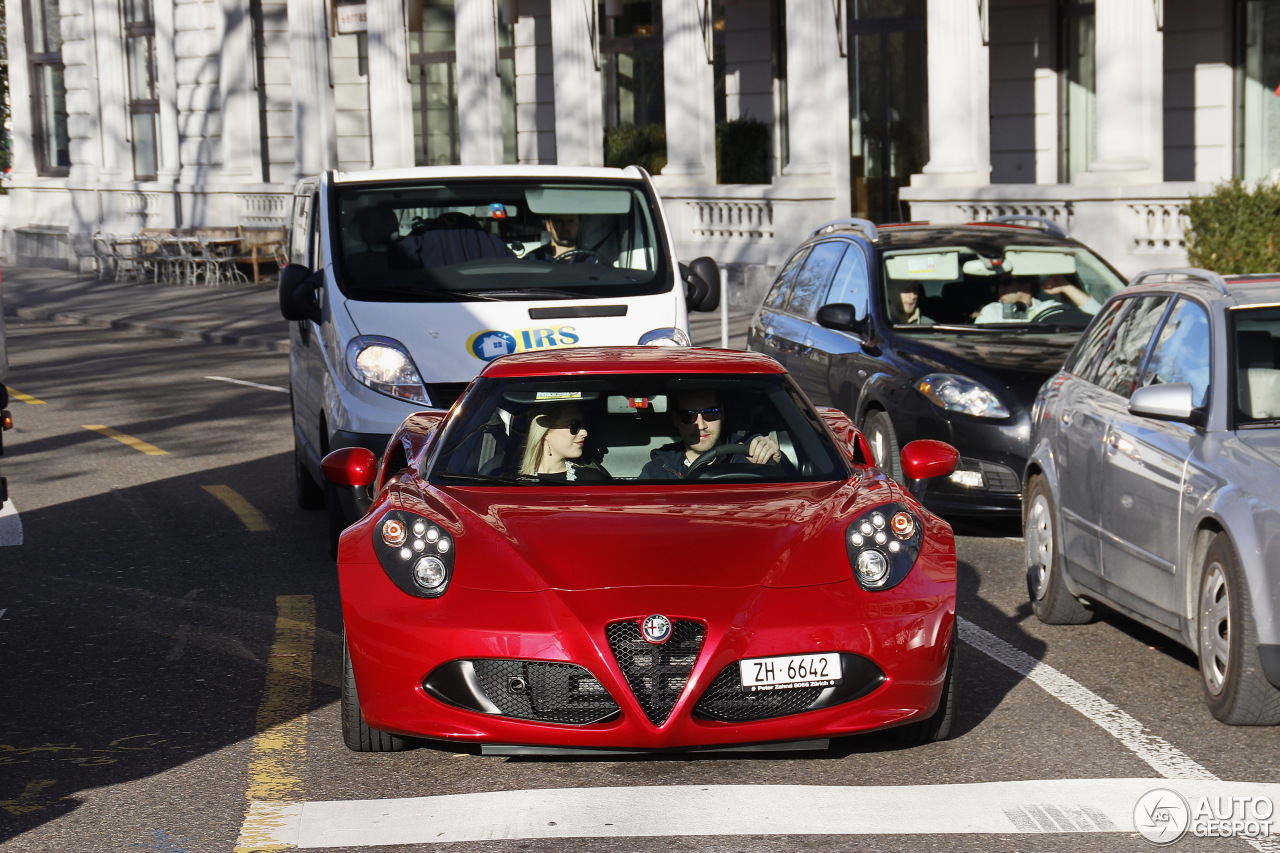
(415, 552)
(883, 545)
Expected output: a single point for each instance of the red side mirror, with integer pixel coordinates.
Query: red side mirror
(927, 458)
(350, 466)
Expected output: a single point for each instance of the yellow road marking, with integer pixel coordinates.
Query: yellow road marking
(25, 398)
(30, 800)
(244, 510)
(135, 443)
(279, 752)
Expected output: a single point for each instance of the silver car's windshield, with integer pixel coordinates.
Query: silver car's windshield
(510, 239)
(1040, 286)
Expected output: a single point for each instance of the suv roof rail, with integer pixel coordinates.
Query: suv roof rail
(1195, 274)
(866, 225)
(1043, 222)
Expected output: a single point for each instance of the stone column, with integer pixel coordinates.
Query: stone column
(111, 85)
(314, 134)
(168, 151)
(575, 46)
(817, 92)
(479, 92)
(690, 89)
(959, 97)
(241, 140)
(1128, 106)
(390, 107)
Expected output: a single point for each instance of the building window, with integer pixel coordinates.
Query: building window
(631, 56)
(433, 73)
(1258, 89)
(43, 20)
(144, 101)
(1078, 72)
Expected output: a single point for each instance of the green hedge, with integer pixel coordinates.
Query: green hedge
(644, 145)
(1235, 229)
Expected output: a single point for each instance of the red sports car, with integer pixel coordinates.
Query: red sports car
(635, 549)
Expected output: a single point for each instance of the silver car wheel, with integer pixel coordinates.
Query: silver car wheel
(1038, 537)
(1215, 628)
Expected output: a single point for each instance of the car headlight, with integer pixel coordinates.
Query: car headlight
(415, 552)
(961, 394)
(668, 337)
(883, 545)
(384, 365)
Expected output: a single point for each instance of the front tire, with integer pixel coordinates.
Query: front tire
(1235, 687)
(356, 734)
(883, 439)
(1052, 602)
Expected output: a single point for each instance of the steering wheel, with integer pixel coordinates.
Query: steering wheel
(568, 256)
(699, 465)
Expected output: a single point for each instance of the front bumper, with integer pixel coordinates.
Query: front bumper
(895, 647)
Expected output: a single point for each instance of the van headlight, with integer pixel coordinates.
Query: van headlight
(669, 337)
(384, 364)
(961, 394)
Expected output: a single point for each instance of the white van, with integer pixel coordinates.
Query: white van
(403, 283)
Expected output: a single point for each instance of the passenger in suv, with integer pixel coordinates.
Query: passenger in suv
(1152, 479)
(837, 317)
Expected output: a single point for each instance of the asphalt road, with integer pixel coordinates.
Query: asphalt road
(170, 651)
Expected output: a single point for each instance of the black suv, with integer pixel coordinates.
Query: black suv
(935, 331)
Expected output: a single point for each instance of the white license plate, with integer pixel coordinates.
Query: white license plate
(789, 671)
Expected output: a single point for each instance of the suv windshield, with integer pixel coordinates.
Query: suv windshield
(508, 239)
(958, 285)
(629, 428)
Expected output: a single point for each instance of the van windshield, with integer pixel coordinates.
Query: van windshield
(509, 239)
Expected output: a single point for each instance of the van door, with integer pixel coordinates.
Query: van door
(305, 358)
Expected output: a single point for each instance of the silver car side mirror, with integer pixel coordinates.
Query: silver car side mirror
(1173, 401)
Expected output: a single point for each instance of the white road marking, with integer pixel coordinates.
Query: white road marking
(1006, 808)
(10, 524)
(249, 384)
(1164, 757)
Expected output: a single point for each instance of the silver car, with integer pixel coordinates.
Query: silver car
(1152, 482)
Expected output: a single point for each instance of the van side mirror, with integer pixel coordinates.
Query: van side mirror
(701, 278)
(297, 291)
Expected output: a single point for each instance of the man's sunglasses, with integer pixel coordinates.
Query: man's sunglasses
(688, 416)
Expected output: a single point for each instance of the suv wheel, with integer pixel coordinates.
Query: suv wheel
(878, 429)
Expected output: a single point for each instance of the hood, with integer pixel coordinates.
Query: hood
(563, 539)
(1002, 354)
(1255, 450)
(452, 341)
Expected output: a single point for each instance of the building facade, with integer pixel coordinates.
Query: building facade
(761, 118)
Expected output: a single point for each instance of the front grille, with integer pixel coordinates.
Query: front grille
(546, 692)
(726, 700)
(657, 674)
(999, 478)
(444, 394)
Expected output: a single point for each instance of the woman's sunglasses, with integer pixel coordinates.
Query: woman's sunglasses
(688, 416)
(574, 427)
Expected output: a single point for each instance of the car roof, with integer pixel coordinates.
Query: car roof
(1235, 291)
(615, 360)
(439, 173)
(977, 235)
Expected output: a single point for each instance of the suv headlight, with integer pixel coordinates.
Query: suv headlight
(883, 545)
(961, 394)
(668, 337)
(415, 552)
(384, 364)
